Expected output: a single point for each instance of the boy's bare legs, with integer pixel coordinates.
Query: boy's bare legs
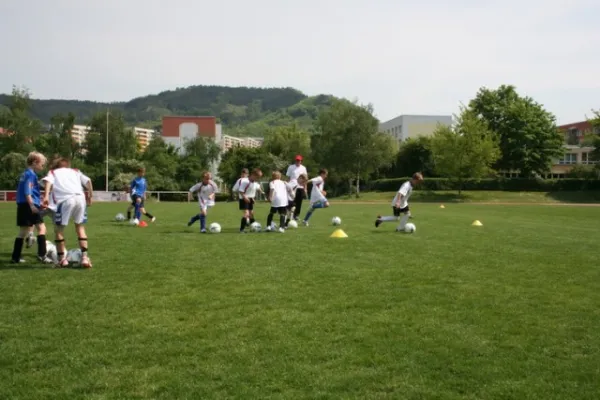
(59, 239)
(83, 245)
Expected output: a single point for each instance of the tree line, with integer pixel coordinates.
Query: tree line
(498, 130)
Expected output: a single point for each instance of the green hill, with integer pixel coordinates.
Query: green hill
(241, 110)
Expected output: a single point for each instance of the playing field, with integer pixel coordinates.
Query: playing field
(510, 310)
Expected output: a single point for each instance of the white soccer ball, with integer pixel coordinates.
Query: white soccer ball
(410, 228)
(293, 224)
(336, 221)
(51, 251)
(135, 222)
(120, 217)
(214, 228)
(255, 227)
(30, 239)
(74, 256)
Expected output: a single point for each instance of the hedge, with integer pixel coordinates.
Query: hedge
(506, 184)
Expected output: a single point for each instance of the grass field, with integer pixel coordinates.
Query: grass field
(510, 310)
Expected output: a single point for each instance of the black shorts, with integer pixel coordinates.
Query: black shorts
(290, 205)
(246, 206)
(26, 217)
(278, 210)
(398, 211)
(134, 200)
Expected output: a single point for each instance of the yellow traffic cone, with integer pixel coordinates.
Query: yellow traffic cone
(442, 206)
(338, 234)
(476, 223)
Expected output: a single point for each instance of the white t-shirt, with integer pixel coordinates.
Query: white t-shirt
(315, 193)
(66, 183)
(248, 188)
(405, 191)
(294, 171)
(204, 192)
(279, 195)
(236, 187)
(291, 188)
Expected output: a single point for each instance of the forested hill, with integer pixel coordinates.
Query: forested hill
(242, 110)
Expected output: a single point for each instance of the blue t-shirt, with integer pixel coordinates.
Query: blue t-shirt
(28, 186)
(138, 186)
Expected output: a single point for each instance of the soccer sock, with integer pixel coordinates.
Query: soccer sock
(149, 215)
(202, 221)
(243, 224)
(128, 214)
(194, 219)
(388, 219)
(318, 205)
(41, 242)
(17, 249)
(252, 220)
(269, 219)
(309, 214)
(84, 250)
(83, 245)
(281, 221)
(403, 221)
(137, 214)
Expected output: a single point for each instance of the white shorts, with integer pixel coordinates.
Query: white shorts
(205, 205)
(74, 208)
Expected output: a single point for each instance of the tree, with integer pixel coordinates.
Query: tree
(21, 127)
(286, 142)
(11, 168)
(529, 138)
(467, 150)
(348, 142)
(414, 155)
(161, 160)
(237, 158)
(122, 142)
(200, 154)
(59, 139)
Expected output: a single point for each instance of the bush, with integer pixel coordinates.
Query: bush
(505, 184)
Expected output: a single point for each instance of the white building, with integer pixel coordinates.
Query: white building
(79, 133)
(143, 136)
(404, 127)
(228, 142)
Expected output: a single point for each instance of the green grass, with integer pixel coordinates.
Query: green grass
(510, 310)
(480, 196)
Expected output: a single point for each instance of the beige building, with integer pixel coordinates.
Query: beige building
(79, 133)
(411, 126)
(143, 136)
(228, 142)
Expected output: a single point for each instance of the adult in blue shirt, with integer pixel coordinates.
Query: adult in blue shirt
(137, 191)
(29, 207)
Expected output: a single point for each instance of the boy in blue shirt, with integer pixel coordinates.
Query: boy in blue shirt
(138, 189)
(29, 207)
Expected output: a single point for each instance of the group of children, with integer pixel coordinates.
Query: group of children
(63, 199)
(281, 196)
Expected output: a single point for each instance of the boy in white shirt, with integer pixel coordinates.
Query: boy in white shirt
(293, 172)
(293, 186)
(400, 203)
(278, 195)
(68, 202)
(247, 193)
(317, 195)
(205, 191)
(236, 186)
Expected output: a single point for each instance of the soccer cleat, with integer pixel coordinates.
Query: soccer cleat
(29, 240)
(305, 223)
(378, 221)
(45, 260)
(19, 261)
(202, 230)
(281, 230)
(190, 223)
(153, 219)
(86, 262)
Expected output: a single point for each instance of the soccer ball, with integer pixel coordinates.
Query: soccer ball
(135, 222)
(29, 240)
(74, 256)
(336, 221)
(120, 217)
(293, 224)
(410, 228)
(214, 228)
(51, 251)
(255, 227)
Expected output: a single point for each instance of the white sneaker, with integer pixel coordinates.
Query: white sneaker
(153, 219)
(281, 230)
(268, 229)
(305, 223)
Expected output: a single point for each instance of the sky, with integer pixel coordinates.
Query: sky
(404, 57)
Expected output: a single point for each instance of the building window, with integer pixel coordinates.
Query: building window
(572, 136)
(568, 159)
(586, 158)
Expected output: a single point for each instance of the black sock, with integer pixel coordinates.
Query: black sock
(128, 214)
(83, 250)
(41, 242)
(281, 221)
(17, 249)
(242, 225)
(269, 220)
(252, 220)
(60, 256)
(149, 215)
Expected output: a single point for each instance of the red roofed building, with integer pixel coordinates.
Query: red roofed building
(177, 129)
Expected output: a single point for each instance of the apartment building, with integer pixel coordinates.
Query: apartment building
(228, 142)
(404, 127)
(143, 136)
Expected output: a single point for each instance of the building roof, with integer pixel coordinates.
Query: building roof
(582, 125)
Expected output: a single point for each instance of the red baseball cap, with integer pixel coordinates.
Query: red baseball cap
(298, 157)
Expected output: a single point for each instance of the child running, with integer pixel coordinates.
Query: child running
(278, 195)
(205, 191)
(317, 195)
(29, 209)
(400, 203)
(66, 185)
(247, 193)
(138, 188)
(292, 187)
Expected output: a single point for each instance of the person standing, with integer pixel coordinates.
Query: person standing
(293, 173)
